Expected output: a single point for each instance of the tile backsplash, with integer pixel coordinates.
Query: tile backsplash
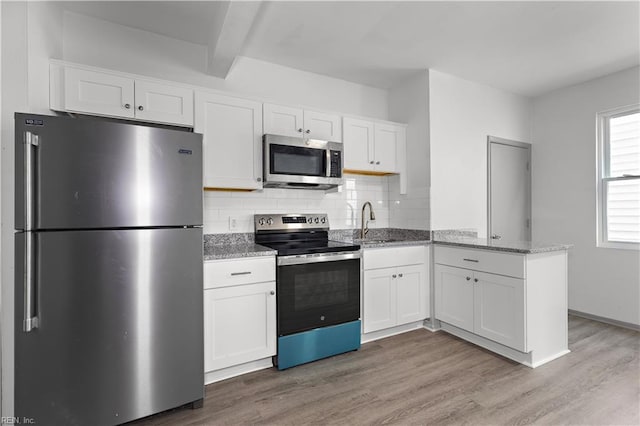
(226, 212)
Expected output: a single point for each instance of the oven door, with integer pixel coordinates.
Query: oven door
(317, 290)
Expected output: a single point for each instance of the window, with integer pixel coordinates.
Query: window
(619, 178)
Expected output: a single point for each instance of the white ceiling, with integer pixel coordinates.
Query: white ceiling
(523, 47)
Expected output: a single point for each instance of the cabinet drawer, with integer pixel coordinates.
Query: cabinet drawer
(226, 273)
(502, 263)
(387, 257)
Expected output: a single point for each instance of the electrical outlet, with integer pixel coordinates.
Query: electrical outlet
(233, 223)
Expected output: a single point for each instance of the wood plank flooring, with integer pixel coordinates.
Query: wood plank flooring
(435, 378)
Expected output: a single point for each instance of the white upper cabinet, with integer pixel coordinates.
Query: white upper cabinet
(373, 147)
(283, 120)
(98, 93)
(232, 136)
(389, 139)
(358, 144)
(163, 103)
(119, 95)
(323, 126)
(296, 122)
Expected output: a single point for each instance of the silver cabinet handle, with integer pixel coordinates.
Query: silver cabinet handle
(272, 292)
(475, 280)
(468, 278)
(127, 106)
(400, 275)
(140, 108)
(377, 162)
(393, 276)
(30, 319)
(371, 162)
(471, 260)
(496, 237)
(259, 179)
(300, 130)
(233, 274)
(307, 131)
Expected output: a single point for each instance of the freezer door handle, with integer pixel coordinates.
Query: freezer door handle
(30, 322)
(30, 318)
(31, 141)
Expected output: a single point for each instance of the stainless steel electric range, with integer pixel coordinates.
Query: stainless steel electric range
(318, 287)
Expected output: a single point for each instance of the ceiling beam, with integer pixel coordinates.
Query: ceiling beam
(229, 31)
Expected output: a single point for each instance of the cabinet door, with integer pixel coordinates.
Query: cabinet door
(163, 103)
(499, 309)
(283, 120)
(240, 324)
(98, 93)
(379, 293)
(387, 141)
(232, 135)
(323, 126)
(454, 296)
(411, 293)
(358, 144)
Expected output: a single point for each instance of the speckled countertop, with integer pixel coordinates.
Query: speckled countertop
(525, 247)
(234, 251)
(233, 246)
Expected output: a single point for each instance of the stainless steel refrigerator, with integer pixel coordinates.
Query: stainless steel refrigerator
(108, 273)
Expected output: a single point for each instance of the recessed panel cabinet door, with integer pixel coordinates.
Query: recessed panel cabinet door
(411, 293)
(323, 126)
(163, 103)
(99, 93)
(283, 120)
(239, 324)
(379, 295)
(387, 140)
(454, 296)
(232, 137)
(499, 309)
(358, 144)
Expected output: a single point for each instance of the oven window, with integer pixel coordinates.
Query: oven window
(316, 295)
(333, 290)
(294, 160)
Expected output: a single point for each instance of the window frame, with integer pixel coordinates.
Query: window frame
(602, 171)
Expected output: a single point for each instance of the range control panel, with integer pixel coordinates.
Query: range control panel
(278, 222)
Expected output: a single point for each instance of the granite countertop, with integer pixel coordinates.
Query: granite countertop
(373, 243)
(525, 247)
(235, 251)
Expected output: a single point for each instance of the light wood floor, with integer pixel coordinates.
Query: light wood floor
(434, 378)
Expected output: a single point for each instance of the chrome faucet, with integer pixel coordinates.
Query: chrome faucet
(365, 227)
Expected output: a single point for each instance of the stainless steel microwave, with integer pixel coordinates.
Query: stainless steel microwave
(291, 162)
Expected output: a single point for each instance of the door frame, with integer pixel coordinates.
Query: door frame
(517, 144)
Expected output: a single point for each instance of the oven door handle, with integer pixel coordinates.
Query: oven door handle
(317, 258)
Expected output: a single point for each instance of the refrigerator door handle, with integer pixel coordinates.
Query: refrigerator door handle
(30, 322)
(30, 318)
(30, 140)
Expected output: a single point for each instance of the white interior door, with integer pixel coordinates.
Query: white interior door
(509, 190)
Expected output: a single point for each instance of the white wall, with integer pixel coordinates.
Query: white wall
(95, 42)
(409, 103)
(462, 115)
(602, 281)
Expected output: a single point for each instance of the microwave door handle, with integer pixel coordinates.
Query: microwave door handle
(328, 162)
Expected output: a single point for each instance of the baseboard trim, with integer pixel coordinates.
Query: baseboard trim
(631, 326)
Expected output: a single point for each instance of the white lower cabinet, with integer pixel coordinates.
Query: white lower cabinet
(239, 313)
(395, 287)
(488, 305)
(512, 304)
(239, 325)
